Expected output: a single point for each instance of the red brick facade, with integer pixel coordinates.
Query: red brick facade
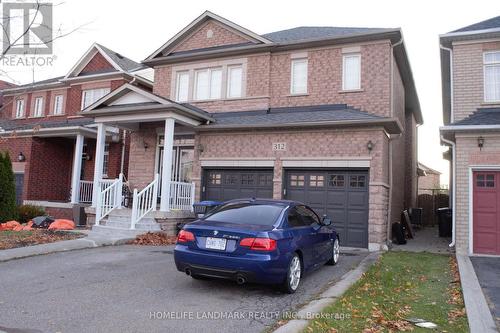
(97, 64)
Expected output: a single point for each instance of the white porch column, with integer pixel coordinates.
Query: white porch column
(166, 174)
(77, 169)
(99, 160)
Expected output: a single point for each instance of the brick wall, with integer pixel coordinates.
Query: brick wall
(469, 154)
(141, 164)
(96, 65)
(429, 181)
(14, 146)
(220, 35)
(468, 81)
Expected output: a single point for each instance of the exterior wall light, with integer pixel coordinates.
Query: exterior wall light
(370, 145)
(480, 142)
(21, 157)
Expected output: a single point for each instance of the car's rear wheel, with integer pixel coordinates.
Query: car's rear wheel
(335, 253)
(293, 275)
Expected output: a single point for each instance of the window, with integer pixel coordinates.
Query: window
(316, 181)
(246, 213)
(38, 110)
(20, 108)
(297, 180)
(182, 87)
(487, 180)
(247, 179)
(492, 76)
(265, 180)
(351, 78)
(92, 95)
(105, 162)
(308, 215)
(234, 81)
(298, 82)
(208, 84)
(214, 178)
(294, 219)
(357, 181)
(337, 180)
(58, 104)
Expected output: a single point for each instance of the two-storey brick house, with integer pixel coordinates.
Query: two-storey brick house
(470, 69)
(323, 115)
(52, 146)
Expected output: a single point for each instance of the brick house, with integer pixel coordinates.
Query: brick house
(52, 146)
(428, 178)
(323, 115)
(470, 69)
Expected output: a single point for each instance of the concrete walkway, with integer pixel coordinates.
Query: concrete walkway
(313, 308)
(67, 245)
(478, 312)
(426, 240)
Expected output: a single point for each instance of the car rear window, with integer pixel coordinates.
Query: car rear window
(246, 213)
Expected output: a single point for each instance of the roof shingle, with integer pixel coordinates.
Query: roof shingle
(486, 24)
(308, 33)
(483, 116)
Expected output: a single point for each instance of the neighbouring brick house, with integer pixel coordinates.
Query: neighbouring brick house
(470, 69)
(428, 178)
(324, 115)
(52, 146)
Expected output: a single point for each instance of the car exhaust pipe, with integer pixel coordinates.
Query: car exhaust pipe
(188, 271)
(240, 279)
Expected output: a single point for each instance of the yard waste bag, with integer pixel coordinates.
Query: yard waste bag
(61, 224)
(10, 225)
(42, 222)
(18, 228)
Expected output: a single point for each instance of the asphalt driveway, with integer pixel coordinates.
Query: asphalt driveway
(488, 271)
(136, 289)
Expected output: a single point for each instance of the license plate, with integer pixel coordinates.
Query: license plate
(215, 243)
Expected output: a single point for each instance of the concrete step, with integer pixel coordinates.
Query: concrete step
(107, 231)
(142, 225)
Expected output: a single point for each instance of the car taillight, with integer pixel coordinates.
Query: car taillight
(185, 236)
(259, 244)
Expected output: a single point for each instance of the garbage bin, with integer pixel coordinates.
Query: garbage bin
(204, 207)
(416, 216)
(444, 221)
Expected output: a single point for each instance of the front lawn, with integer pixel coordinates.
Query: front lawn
(399, 287)
(12, 239)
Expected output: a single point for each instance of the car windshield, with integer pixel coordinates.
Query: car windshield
(246, 213)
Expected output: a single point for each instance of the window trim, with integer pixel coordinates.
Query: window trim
(209, 70)
(105, 160)
(38, 101)
(228, 81)
(292, 77)
(344, 57)
(177, 86)
(20, 111)
(54, 109)
(85, 91)
(485, 65)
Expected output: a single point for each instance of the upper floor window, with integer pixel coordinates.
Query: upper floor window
(351, 68)
(492, 76)
(234, 81)
(298, 82)
(182, 90)
(91, 95)
(208, 84)
(38, 107)
(20, 108)
(58, 105)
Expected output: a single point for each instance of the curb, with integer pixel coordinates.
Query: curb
(327, 297)
(62, 246)
(478, 313)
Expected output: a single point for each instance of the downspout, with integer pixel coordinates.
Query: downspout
(453, 190)
(451, 80)
(389, 206)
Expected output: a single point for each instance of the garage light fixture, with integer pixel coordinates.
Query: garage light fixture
(370, 145)
(21, 157)
(480, 142)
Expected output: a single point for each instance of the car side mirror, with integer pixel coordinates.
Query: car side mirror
(326, 221)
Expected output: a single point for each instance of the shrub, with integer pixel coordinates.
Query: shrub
(8, 209)
(27, 212)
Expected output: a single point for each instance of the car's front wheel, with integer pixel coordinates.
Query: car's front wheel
(293, 275)
(335, 253)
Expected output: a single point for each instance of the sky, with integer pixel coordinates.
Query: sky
(137, 28)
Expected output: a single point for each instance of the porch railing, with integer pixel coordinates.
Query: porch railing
(144, 201)
(109, 197)
(86, 188)
(181, 196)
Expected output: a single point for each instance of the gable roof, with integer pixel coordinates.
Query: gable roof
(115, 59)
(427, 170)
(486, 24)
(311, 33)
(198, 22)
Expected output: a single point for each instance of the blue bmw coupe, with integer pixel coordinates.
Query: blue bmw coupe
(257, 240)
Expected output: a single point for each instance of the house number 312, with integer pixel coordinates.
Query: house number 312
(277, 146)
